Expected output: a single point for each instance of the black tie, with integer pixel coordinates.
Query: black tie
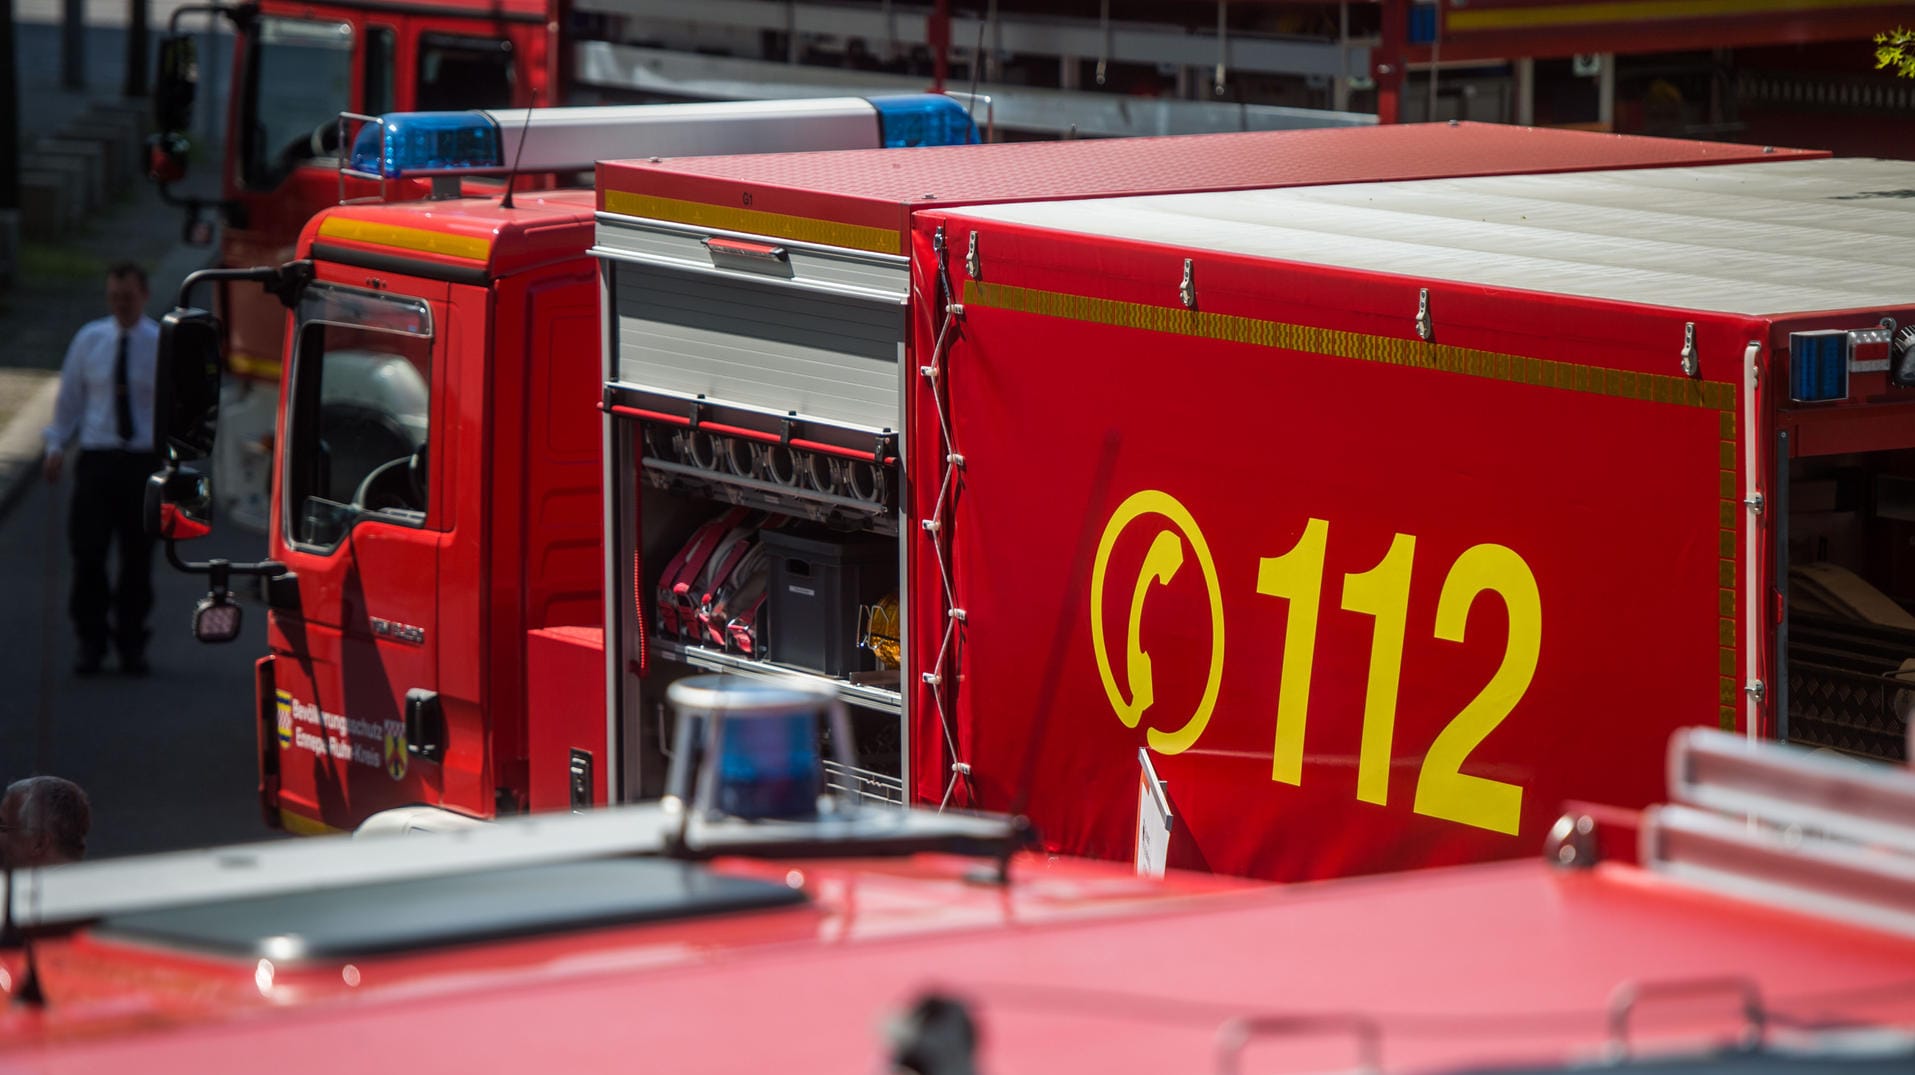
(122, 399)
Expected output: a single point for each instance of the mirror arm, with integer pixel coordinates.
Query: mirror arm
(188, 202)
(222, 570)
(237, 15)
(195, 205)
(285, 282)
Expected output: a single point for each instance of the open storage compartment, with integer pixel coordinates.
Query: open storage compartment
(749, 396)
(766, 555)
(1850, 560)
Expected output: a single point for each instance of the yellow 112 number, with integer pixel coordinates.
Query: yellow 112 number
(1383, 593)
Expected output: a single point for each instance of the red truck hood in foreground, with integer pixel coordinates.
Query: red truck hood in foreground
(1072, 967)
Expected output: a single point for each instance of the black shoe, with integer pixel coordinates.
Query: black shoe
(134, 664)
(89, 663)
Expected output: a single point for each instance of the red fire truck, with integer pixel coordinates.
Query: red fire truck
(436, 640)
(1365, 591)
(1760, 921)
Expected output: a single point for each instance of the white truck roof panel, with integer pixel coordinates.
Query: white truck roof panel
(1759, 239)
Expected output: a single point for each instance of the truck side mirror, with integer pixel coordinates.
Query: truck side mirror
(179, 507)
(166, 157)
(186, 384)
(175, 85)
(179, 504)
(173, 90)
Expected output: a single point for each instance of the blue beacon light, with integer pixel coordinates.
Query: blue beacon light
(426, 143)
(1819, 366)
(768, 767)
(748, 749)
(923, 119)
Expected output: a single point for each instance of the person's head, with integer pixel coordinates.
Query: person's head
(43, 822)
(126, 292)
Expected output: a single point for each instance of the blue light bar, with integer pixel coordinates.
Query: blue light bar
(1423, 23)
(427, 143)
(768, 767)
(923, 119)
(1818, 365)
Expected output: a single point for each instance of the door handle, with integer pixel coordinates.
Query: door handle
(425, 724)
(579, 778)
(282, 592)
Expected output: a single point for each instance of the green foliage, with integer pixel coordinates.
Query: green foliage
(1896, 48)
(49, 262)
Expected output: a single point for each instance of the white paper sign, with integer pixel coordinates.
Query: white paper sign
(1154, 819)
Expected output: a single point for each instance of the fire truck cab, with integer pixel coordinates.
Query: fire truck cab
(294, 67)
(437, 474)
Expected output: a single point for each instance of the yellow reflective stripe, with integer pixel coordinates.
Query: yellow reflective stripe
(1718, 396)
(299, 825)
(1529, 18)
(400, 238)
(1363, 347)
(1733, 514)
(755, 222)
(253, 366)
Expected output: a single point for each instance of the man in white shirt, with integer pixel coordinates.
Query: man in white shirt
(106, 404)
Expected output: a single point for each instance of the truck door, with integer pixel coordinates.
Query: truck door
(295, 75)
(296, 71)
(362, 521)
(296, 68)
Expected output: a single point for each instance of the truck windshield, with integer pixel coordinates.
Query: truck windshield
(464, 72)
(359, 413)
(299, 78)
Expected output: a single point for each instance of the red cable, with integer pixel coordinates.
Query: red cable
(638, 563)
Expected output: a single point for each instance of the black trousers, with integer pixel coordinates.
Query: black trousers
(109, 493)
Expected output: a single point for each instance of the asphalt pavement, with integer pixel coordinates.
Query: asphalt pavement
(167, 760)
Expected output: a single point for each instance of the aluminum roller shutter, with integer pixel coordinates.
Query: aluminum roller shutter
(828, 356)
